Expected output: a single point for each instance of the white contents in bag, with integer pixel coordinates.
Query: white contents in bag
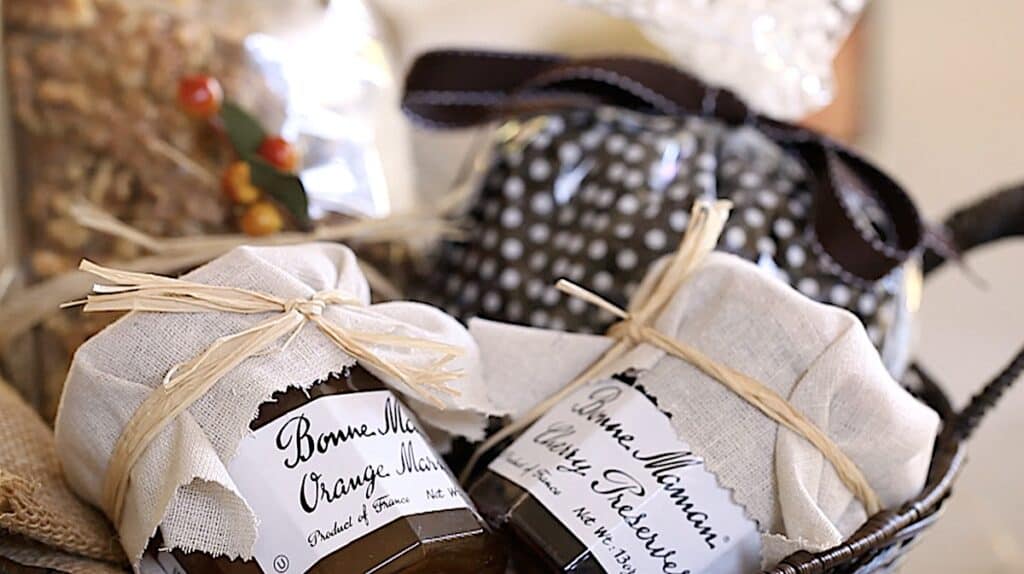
(608, 464)
(340, 467)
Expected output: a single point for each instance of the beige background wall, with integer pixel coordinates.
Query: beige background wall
(946, 115)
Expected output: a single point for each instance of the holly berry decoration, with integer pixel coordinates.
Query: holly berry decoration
(200, 95)
(279, 153)
(262, 179)
(236, 182)
(261, 218)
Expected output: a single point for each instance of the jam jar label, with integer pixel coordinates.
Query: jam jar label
(608, 464)
(334, 470)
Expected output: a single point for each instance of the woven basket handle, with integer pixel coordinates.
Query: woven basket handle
(997, 216)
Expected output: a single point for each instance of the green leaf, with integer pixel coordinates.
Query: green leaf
(244, 130)
(284, 188)
(246, 135)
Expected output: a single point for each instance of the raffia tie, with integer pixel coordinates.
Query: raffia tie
(187, 382)
(633, 328)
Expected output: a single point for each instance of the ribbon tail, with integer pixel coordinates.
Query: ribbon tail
(92, 217)
(121, 277)
(403, 341)
(131, 291)
(417, 380)
(520, 424)
(707, 220)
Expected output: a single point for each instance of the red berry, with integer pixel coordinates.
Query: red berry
(279, 153)
(237, 183)
(261, 218)
(200, 95)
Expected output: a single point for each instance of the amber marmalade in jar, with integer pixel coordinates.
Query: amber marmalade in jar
(359, 488)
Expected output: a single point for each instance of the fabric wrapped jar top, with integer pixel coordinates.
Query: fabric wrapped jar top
(596, 195)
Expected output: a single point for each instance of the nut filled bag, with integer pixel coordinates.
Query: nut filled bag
(97, 118)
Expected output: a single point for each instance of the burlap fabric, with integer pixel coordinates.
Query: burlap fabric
(42, 522)
(27, 557)
(180, 483)
(818, 357)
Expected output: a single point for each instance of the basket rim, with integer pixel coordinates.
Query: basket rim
(894, 526)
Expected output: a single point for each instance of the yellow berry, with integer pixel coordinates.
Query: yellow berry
(237, 183)
(261, 218)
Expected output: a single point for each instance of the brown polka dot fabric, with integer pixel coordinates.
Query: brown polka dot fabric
(596, 196)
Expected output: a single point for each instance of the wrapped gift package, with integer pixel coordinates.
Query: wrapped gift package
(178, 421)
(659, 460)
(596, 194)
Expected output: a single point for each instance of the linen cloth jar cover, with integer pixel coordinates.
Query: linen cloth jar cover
(566, 187)
(817, 357)
(181, 481)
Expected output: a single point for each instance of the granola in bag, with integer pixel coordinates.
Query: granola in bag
(95, 94)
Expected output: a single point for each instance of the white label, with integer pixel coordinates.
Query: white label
(608, 464)
(334, 470)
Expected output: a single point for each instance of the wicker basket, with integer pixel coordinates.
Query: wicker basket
(452, 89)
(879, 545)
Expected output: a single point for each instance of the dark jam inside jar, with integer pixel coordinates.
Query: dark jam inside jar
(537, 541)
(602, 482)
(452, 541)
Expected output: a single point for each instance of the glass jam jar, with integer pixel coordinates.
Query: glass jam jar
(377, 497)
(602, 484)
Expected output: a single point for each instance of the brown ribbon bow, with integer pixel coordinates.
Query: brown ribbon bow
(456, 89)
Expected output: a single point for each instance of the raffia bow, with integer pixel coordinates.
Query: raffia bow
(187, 382)
(634, 328)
